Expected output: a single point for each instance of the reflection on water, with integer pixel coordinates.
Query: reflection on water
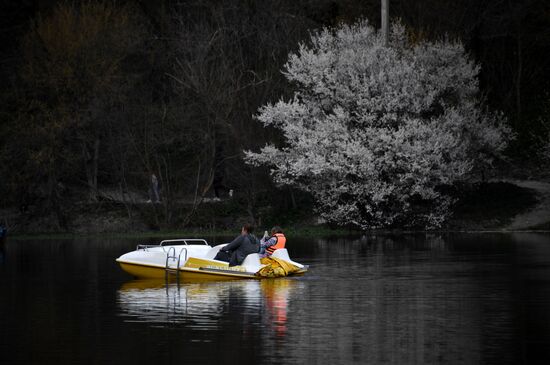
(381, 299)
(200, 305)
(276, 294)
(409, 299)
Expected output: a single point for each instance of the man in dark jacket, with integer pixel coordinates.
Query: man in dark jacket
(243, 245)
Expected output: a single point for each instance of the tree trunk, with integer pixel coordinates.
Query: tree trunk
(293, 199)
(385, 20)
(91, 166)
(519, 71)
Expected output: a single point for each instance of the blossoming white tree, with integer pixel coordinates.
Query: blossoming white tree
(375, 132)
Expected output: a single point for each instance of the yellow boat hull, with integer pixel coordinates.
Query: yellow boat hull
(143, 271)
(194, 270)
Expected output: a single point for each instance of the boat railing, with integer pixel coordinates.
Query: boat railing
(185, 241)
(145, 247)
(179, 257)
(172, 255)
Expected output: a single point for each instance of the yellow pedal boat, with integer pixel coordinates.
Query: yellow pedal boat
(193, 259)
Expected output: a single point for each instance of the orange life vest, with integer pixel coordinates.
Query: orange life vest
(281, 240)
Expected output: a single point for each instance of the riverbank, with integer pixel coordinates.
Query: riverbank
(304, 232)
(495, 206)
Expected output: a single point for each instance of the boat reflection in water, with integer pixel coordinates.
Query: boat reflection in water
(276, 295)
(201, 305)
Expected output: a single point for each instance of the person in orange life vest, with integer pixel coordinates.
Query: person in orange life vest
(268, 245)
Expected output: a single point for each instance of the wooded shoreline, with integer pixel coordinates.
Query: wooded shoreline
(482, 211)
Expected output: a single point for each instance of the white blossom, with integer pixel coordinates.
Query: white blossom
(374, 132)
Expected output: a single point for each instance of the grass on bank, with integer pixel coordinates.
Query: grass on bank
(306, 231)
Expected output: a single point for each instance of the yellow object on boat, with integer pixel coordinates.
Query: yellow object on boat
(276, 267)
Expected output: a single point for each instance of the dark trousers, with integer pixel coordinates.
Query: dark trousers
(229, 256)
(223, 256)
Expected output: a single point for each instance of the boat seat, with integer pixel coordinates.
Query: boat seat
(252, 262)
(282, 253)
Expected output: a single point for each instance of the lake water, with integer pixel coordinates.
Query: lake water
(398, 299)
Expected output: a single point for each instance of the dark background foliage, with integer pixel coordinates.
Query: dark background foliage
(96, 96)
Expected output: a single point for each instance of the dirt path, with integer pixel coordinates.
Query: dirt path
(540, 213)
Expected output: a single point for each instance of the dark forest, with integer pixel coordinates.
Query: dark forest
(98, 96)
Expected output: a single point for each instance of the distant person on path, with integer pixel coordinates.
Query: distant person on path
(268, 245)
(243, 245)
(218, 184)
(155, 195)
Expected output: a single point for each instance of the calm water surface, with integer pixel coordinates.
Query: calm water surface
(402, 299)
